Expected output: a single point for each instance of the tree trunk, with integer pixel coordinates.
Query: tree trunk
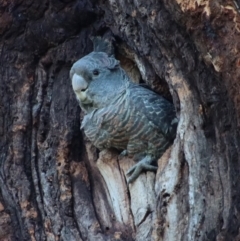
(55, 185)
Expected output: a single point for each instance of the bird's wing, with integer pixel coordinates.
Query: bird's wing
(155, 108)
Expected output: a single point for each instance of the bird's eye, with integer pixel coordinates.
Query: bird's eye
(95, 72)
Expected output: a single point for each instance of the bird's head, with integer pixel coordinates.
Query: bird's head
(97, 79)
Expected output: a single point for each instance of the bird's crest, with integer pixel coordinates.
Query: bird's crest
(103, 45)
(103, 60)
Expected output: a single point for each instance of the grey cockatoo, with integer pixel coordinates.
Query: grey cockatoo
(121, 114)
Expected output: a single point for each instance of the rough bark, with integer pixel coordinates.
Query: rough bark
(54, 185)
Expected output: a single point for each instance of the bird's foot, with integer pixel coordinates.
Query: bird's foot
(137, 169)
(123, 154)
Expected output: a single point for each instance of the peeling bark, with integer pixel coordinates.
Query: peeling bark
(54, 185)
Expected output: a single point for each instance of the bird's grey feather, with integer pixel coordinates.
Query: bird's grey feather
(106, 45)
(122, 114)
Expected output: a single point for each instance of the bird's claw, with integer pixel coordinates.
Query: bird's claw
(123, 154)
(138, 168)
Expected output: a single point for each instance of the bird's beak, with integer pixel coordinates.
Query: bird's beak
(79, 83)
(80, 86)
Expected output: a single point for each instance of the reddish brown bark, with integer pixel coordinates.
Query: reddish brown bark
(54, 185)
